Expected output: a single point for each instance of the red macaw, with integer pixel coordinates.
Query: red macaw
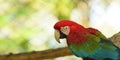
(88, 43)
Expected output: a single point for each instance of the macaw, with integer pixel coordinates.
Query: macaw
(88, 43)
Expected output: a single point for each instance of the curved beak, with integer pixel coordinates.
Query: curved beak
(57, 36)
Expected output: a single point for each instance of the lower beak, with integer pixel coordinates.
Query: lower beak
(57, 35)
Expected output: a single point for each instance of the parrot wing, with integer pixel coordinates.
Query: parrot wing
(91, 47)
(83, 44)
(96, 33)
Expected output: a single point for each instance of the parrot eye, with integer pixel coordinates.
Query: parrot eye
(65, 30)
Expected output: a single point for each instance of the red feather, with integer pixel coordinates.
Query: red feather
(92, 30)
(73, 26)
(76, 38)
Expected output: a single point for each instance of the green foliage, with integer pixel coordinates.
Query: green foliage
(8, 46)
(63, 8)
(15, 33)
(4, 20)
(23, 11)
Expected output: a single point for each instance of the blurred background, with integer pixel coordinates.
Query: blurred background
(27, 25)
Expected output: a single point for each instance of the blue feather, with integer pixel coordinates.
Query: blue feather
(105, 50)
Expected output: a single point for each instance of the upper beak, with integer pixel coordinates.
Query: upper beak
(57, 36)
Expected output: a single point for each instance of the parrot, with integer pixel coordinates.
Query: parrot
(88, 43)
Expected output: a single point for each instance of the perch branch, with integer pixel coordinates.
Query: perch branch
(39, 55)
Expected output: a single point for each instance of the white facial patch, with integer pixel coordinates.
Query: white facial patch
(65, 30)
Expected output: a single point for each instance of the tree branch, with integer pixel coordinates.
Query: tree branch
(51, 53)
(40, 55)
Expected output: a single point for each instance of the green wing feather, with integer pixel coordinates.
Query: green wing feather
(96, 33)
(89, 45)
(93, 46)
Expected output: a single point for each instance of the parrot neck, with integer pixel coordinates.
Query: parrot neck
(76, 38)
(76, 34)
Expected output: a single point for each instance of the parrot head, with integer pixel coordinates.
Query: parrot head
(64, 27)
